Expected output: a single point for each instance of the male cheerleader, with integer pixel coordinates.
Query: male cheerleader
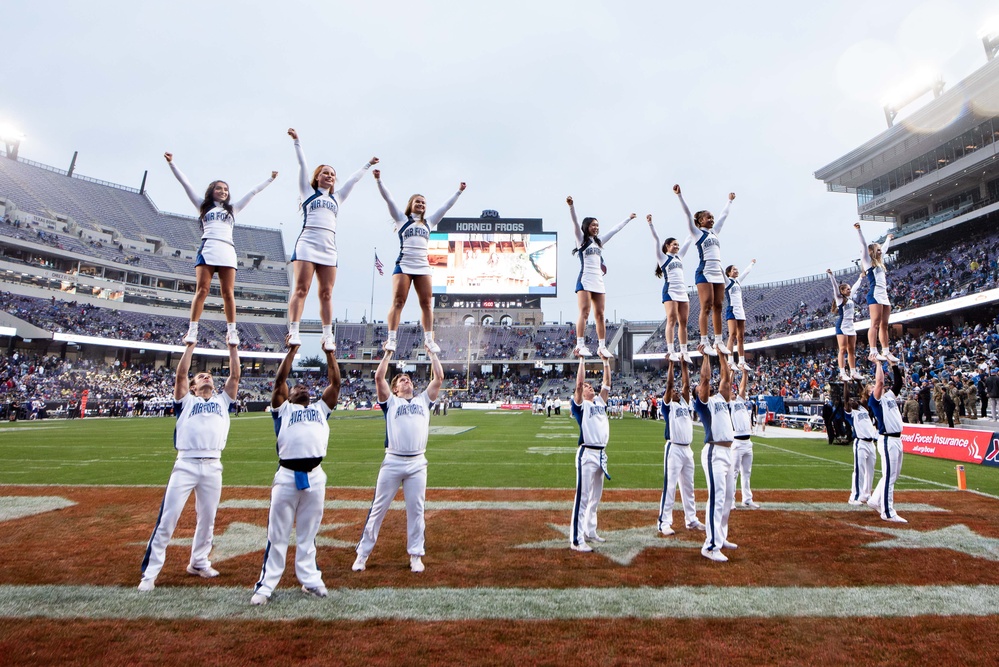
(884, 403)
(407, 428)
(298, 492)
(865, 455)
(716, 457)
(589, 409)
(678, 461)
(199, 438)
(742, 446)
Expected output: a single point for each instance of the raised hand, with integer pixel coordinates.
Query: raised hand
(292, 133)
(461, 187)
(731, 196)
(377, 173)
(676, 189)
(168, 156)
(568, 200)
(273, 174)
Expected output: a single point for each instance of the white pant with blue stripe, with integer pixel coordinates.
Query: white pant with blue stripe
(891, 465)
(717, 463)
(678, 463)
(589, 488)
(410, 472)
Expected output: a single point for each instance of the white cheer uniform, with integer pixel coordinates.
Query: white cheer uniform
(742, 449)
(298, 494)
(674, 285)
(889, 419)
(846, 309)
(591, 466)
(864, 454)
(733, 291)
(877, 279)
(217, 247)
(407, 429)
(709, 268)
(414, 234)
(317, 241)
(199, 438)
(678, 464)
(591, 258)
(716, 459)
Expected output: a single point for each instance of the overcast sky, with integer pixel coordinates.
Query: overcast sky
(611, 102)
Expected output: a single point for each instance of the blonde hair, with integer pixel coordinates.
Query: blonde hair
(878, 262)
(409, 205)
(396, 379)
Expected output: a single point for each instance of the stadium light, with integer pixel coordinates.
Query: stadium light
(989, 34)
(12, 138)
(918, 84)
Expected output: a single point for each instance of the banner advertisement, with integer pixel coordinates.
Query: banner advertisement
(954, 444)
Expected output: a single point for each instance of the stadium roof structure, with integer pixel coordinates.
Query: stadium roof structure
(947, 148)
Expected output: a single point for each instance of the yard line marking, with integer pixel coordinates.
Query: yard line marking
(516, 604)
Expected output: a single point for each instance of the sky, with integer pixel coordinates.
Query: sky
(527, 102)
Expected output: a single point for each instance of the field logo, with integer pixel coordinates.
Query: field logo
(992, 454)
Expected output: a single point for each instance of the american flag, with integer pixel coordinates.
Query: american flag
(379, 266)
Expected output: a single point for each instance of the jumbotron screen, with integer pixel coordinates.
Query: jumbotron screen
(468, 261)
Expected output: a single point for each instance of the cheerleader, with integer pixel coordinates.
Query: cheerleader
(315, 250)
(412, 267)
(709, 277)
(872, 259)
(735, 314)
(217, 253)
(669, 267)
(846, 336)
(590, 283)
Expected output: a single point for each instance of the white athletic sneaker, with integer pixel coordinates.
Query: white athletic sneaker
(855, 374)
(604, 353)
(389, 346)
(745, 367)
(709, 350)
(583, 351)
(880, 356)
(750, 505)
(891, 357)
(873, 356)
(359, 563)
(721, 349)
(293, 339)
(317, 591)
(232, 337)
(843, 375)
(259, 600)
(894, 518)
(416, 564)
(433, 346)
(715, 555)
(874, 504)
(731, 364)
(666, 531)
(192, 334)
(147, 585)
(729, 545)
(674, 356)
(328, 343)
(686, 357)
(697, 525)
(582, 546)
(203, 572)
(595, 538)
(851, 501)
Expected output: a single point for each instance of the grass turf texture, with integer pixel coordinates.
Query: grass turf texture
(502, 449)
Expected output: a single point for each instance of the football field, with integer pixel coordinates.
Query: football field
(813, 579)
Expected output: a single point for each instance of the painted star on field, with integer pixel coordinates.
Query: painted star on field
(239, 539)
(958, 538)
(622, 546)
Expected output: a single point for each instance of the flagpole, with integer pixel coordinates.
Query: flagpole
(371, 310)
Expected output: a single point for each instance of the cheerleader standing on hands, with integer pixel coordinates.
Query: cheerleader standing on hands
(590, 283)
(872, 259)
(735, 314)
(413, 266)
(217, 253)
(315, 250)
(709, 277)
(670, 267)
(846, 335)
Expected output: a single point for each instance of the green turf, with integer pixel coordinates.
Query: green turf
(502, 449)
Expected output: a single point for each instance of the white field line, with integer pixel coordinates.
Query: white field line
(516, 604)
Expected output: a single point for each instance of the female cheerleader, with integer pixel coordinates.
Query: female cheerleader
(872, 259)
(590, 283)
(709, 277)
(217, 253)
(735, 314)
(670, 267)
(846, 335)
(412, 266)
(315, 250)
